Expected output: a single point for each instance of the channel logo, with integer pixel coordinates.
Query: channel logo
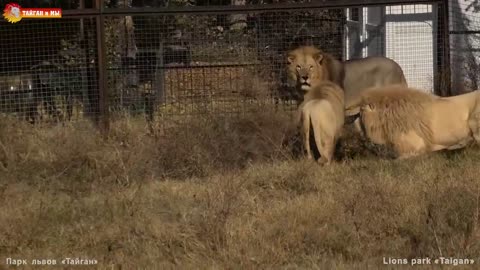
(14, 13)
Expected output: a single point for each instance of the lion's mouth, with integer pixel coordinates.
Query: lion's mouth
(349, 119)
(305, 86)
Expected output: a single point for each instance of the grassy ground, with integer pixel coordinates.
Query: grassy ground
(226, 193)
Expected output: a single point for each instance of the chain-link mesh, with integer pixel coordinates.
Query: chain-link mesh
(48, 69)
(465, 45)
(184, 64)
(174, 64)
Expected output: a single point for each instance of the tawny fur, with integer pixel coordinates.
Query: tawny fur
(323, 111)
(308, 66)
(414, 122)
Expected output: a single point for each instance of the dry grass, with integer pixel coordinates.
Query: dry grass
(223, 193)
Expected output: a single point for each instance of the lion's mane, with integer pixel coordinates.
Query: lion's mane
(390, 111)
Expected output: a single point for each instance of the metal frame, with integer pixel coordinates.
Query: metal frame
(240, 9)
(423, 17)
(445, 61)
(103, 118)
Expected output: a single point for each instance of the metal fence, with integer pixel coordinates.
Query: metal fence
(167, 59)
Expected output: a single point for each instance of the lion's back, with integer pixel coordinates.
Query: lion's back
(399, 110)
(362, 74)
(325, 103)
(325, 113)
(329, 91)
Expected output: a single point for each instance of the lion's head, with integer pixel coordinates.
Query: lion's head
(15, 11)
(369, 124)
(306, 67)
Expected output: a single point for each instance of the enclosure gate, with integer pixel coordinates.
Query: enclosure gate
(166, 62)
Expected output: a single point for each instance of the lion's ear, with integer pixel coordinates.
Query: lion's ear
(370, 107)
(291, 58)
(318, 57)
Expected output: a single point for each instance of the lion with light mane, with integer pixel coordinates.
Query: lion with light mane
(308, 66)
(414, 122)
(322, 112)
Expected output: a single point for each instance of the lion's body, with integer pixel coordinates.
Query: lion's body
(414, 122)
(456, 119)
(308, 66)
(322, 112)
(361, 74)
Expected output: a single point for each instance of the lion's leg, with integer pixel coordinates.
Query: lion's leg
(405, 152)
(306, 134)
(407, 155)
(461, 144)
(325, 145)
(410, 144)
(328, 152)
(474, 124)
(437, 147)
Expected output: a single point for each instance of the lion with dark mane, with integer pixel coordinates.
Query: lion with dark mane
(308, 66)
(414, 122)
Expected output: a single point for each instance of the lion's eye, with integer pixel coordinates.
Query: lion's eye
(311, 67)
(298, 67)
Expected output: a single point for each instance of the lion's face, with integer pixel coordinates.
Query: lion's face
(367, 124)
(15, 11)
(305, 67)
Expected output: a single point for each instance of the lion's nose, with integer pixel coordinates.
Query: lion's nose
(305, 78)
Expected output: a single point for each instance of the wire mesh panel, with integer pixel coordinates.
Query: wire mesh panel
(48, 69)
(412, 42)
(193, 63)
(465, 45)
(181, 58)
(188, 64)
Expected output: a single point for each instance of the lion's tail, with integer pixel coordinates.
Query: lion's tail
(474, 125)
(474, 121)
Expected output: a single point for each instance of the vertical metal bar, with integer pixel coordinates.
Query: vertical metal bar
(346, 35)
(437, 62)
(446, 48)
(102, 69)
(83, 42)
(443, 77)
(82, 6)
(383, 31)
(159, 80)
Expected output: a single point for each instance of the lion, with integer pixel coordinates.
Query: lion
(322, 112)
(308, 66)
(414, 122)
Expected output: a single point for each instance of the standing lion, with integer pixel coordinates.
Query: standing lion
(322, 112)
(309, 66)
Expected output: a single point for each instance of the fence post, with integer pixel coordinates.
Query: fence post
(444, 80)
(159, 85)
(104, 123)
